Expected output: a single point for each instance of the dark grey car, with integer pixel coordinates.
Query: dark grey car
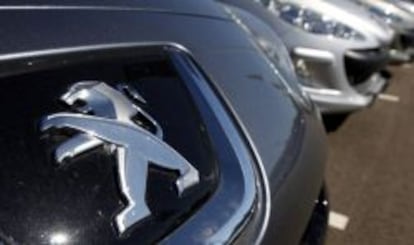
(135, 122)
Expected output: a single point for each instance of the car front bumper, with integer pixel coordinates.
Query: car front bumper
(346, 82)
(332, 101)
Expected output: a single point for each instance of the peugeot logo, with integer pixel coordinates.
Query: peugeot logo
(104, 117)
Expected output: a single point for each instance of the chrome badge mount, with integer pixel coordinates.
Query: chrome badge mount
(104, 117)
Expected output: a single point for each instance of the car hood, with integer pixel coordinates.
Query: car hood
(407, 19)
(409, 6)
(355, 16)
(198, 8)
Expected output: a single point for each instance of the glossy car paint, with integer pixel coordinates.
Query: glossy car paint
(402, 22)
(405, 4)
(285, 137)
(246, 14)
(324, 55)
(407, 19)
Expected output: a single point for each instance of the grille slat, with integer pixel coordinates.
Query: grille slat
(360, 65)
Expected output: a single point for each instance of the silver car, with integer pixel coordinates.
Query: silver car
(405, 4)
(337, 48)
(398, 15)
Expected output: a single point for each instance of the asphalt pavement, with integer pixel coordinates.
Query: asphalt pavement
(370, 170)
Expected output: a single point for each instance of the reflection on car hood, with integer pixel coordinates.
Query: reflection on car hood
(201, 7)
(355, 16)
(406, 5)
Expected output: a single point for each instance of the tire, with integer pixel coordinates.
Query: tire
(334, 121)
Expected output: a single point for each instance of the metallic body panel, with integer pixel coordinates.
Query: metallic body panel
(285, 137)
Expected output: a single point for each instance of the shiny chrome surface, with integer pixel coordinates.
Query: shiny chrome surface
(101, 100)
(221, 231)
(235, 221)
(111, 126)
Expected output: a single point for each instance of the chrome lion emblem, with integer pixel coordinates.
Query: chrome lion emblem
(104, 117)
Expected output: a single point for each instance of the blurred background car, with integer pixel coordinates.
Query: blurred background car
(397, 15)
(258, 146)
(338, 50)
(405, 4)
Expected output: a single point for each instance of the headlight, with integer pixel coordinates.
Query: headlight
(314, 22)
(385, 15)
(281, 62)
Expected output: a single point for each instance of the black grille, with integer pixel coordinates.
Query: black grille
(39, 199)
(362, 64)
(407, 39)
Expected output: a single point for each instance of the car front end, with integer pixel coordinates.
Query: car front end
(127, 124)
(398, 16)
(340, 62)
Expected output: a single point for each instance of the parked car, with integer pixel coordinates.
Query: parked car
(397, 17)
(150, 121)
(404, 4)
(341, 62)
